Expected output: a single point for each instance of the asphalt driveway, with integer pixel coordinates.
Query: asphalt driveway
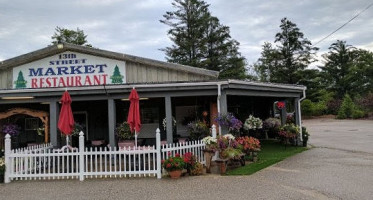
(340, 166)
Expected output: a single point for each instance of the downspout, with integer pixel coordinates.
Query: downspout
(218, 102)
(300, 113)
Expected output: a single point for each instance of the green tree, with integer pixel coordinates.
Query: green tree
(20, 82)
(116, 78)
(63, 35)
(339, 61)
(292, 54)
(200, 40)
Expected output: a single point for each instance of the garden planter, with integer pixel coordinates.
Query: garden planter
(208, 156)
(175, 174)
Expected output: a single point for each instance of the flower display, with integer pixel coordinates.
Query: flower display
(253, 123)
(229, 121)
(249, 143)
(173, 163)
(164, 123)
(122, 131)
(11, 129)
(289, 131)
(280, 105)
(211, 143)
(271, 123)
(197, 130)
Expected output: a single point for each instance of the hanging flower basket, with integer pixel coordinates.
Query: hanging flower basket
(280, 105)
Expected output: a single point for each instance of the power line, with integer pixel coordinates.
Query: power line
(343, 24)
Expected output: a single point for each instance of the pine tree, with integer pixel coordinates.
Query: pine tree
(201, 41)
(70, 36)
(20, 82)
(116, 78)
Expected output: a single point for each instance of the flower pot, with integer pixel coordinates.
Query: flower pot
(208, 157)
(175, 174)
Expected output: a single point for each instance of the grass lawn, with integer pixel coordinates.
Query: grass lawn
(272, 152)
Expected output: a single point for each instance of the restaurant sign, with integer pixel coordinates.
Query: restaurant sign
(69, 69)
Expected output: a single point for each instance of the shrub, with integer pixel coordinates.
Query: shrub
(356, 114)
(307, 107)
(333, 106)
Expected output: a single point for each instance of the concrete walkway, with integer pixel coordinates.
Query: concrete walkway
(339, 167)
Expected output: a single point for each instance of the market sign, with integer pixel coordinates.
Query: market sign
(69, 69)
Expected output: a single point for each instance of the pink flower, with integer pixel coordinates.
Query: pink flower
(168, 165)
(177, 155)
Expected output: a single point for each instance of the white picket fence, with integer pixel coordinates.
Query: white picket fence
(43, 162)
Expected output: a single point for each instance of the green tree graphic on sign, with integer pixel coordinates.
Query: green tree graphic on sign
(20, 82)
(116, 77)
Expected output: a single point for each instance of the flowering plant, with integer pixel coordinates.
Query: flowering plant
(191, 164)
(77, 128)
(11, 129)
(271, 124)
(280, 105)
(226, 141)
(249, 143)
(229, 121)
(253, 123)
(197, 130)
(2, 165)
(211, 143)
(123, 132)
(289, 131)
(173, 163)
(164, 123)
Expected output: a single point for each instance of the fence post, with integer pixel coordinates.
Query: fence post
(81, 156)
(159, 151)
(213, 133)
(7, 161)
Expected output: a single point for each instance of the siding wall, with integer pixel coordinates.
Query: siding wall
(6, 79)
(135, 73)
(139, 73)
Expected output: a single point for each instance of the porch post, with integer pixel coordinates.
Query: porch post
(169, 128)
(297, 116)
(283, 114)
(112, 121)
(53, 113)
(223, 110)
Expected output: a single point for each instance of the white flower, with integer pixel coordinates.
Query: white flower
(253, 123)
(2, 162)
(229, 136)
(209, 140)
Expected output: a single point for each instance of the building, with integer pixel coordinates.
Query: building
(100, 81)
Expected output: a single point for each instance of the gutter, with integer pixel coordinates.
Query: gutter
(300, 113)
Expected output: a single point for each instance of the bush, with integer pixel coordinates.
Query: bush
(356, 114)
(348, 109)
(307, 107)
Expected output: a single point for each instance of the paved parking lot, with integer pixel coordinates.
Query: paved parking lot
(340, 166)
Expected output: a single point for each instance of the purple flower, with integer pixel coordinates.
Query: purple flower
(11, 129)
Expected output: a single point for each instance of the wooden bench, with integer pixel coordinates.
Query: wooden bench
(223, 162)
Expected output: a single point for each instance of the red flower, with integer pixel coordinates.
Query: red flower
(169, 153)
(280, 105)
(171, 160)
(176, 164)
(162, 161)
(168, 165)
(177, 155)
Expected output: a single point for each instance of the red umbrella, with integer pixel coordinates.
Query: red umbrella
(133, 118)
(66, 119)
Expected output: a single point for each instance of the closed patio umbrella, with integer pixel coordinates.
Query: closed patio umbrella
(133, 118)
(66, 119)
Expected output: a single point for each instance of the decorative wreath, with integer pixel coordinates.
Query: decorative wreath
(280, 105)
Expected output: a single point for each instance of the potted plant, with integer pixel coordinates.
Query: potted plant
(288, 132)
(191, 164)
(2, 169)
(271, 126)
(124, 135)
(197, 130)
(13, 130)
(233, 124)
(253, 123)
(211, 148)
(305, 136)
(174, 165)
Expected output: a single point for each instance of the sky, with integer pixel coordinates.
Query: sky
(133, 27)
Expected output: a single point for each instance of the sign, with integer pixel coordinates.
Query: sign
(69, 69)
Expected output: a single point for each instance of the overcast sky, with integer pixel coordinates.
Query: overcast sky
(133, 27)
